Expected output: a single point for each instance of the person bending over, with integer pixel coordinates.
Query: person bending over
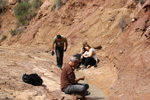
(69, 83)
(61, 44)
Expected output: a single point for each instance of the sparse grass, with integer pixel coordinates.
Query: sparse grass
(16, 31)
(122, 24)
(140, 1)
(3, 38)
(57, 4)
(35, 3)
(3, 4)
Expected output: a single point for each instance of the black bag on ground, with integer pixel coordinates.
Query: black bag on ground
(33, 79)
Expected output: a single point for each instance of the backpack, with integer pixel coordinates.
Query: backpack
(33, 79)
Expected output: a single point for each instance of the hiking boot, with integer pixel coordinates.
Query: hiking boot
(84, 67)
(87, 93)
(60, 66)
(77, 69)
(95, 65)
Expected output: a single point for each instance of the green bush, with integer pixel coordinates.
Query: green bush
(16, 31)
(25, 11)
(3, 38)
(3, 4)
(21, 12)
(31, 14)
(13, 32)
(142, 2)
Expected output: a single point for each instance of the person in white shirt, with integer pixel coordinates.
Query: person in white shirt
(89, 57)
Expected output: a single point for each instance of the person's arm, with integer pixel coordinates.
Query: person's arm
(83, 55)
(90, 54)
(81, 78)
(52, 46)
(82, 50)
(66, 45)
(53, 49)
(54, 41)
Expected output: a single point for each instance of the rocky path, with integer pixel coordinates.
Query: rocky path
(96, 93)
(15, 62)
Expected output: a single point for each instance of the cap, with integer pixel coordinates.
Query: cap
(58, 36)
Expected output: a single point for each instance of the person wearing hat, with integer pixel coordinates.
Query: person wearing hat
(60, 43)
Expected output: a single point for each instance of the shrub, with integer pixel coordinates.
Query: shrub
(57, 4)
(13, 32)
(35, 3)
(122, 23)
(3, 4)
(19, 1)
(3, 38)
(31, 13)
(16, 31)
(21, 12)
(142, 2)
(25, 11)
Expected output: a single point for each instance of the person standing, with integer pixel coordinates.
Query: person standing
(69, 83)
(60, 43)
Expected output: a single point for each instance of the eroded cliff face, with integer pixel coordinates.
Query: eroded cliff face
(131, 58)
(122, 29)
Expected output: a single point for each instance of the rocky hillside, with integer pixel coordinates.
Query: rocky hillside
(120, 27)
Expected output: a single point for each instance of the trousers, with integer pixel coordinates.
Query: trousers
(79, 89)
(88, 61)
(59, 56)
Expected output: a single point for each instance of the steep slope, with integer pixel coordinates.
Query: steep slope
(132, 59)
(7, 23)
(125, 48)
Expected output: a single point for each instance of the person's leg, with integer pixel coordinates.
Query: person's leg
(89, 61)
(92, 61)
(83, 63)
(59, 56)
(79, 89)
(83, 60)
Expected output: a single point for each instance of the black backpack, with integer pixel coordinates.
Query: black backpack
(33, 79)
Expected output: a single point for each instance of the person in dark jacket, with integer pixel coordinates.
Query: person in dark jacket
(69, 83)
